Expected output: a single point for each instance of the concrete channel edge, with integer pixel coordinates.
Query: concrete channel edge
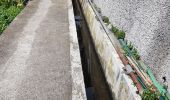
(78, 87)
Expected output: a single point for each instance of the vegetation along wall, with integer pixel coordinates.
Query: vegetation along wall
(147, 26)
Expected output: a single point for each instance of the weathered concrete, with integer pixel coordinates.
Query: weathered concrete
(146, 23)
(120, 84)
(39, 54)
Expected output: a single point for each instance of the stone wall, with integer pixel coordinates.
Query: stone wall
(147, 24)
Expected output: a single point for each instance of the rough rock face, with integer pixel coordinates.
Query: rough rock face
(147, 24)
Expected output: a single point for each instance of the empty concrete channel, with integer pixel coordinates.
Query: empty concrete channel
(95, 83)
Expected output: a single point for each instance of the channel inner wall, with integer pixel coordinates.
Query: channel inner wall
(120, 84)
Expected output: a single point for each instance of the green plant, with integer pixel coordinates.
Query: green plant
(150, 95)
(135, 54)
(9, 3)
(106, 19)
(9, 9)
(114, 29)
(130, 46)
(12, 11)
(120, 34)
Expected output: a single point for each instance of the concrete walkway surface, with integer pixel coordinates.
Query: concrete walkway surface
(39, 54)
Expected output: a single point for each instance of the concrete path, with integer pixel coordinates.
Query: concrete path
(36, 54)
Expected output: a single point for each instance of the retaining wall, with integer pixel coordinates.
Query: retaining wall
(146, 23)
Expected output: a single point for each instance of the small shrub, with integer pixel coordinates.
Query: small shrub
(114, 29)
(130, 46)
(150, 95)
(120, 34)
(135, 54)
(106, 19)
